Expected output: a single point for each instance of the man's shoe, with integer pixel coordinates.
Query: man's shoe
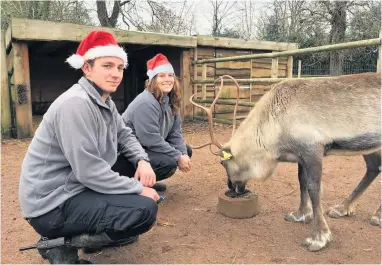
(114, 243)
(62, 255)
(160, 186)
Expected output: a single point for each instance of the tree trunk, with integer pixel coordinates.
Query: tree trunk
(104, 19)
(337, 35)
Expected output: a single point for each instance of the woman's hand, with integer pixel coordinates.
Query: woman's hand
(184, 163)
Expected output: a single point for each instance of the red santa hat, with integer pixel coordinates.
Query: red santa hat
(96, 44)
(157, 64)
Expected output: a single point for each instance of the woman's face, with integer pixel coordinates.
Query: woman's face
(165, 81)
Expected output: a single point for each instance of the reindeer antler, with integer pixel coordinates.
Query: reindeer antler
(237, 99)
(209, 114)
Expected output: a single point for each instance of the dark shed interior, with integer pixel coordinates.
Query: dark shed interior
(50, 75)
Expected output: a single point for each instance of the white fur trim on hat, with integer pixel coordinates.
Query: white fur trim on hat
(159, 69)
(76, 61)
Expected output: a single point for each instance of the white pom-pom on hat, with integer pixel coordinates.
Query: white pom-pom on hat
(76, 61)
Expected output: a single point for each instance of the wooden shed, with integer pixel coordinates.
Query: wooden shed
(34, 72)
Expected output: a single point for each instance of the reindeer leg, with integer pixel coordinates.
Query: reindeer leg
(376, 219)
(320, 235)
(304, 212)
(346, 208)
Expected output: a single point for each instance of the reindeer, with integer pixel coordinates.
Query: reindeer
(301, 121)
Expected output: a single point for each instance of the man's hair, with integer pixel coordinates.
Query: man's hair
(174, 95)
(91, 63)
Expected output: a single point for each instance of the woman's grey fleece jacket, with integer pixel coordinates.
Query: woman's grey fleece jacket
(153, 123)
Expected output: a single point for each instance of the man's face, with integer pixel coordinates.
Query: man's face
(165, 81)
(106, 72)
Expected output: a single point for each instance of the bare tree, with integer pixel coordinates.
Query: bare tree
(39, 9)
(286, 21)
(312, 24)
(63, 11)
(222, 15)
(336, 14)
(365, 23)
(337, 19)
(21, 9)
(104, 18)
(164, 16)
(247, 19)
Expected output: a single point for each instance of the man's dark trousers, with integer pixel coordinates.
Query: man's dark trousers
(120, 216)
(163, 165)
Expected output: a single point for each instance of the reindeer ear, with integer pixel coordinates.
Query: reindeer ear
(225, 155)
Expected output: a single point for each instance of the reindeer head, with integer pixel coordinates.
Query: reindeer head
(224, 154)
(243, 162)
(242, 159)
(227, 160)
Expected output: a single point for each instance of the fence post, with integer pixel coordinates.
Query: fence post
(299, 69)
(204, 77)
(195, 78)
(290, 67)
(185, 76)
(275, 67)
(21, 95)
(379, 53)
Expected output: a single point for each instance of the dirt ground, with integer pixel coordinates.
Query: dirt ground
(190, 230)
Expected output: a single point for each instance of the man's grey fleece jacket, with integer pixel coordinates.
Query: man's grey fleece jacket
(74, 148)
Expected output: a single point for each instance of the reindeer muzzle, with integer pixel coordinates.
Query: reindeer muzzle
(238, 187)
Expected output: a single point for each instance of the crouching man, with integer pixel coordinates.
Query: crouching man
(68, 186)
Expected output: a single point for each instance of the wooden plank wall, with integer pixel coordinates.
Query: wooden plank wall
(262, 68)
(256, 68)
(203, 53)
(238, 70)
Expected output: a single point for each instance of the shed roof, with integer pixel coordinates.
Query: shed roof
(32, 30)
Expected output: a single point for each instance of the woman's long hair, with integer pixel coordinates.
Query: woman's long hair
(174, 95)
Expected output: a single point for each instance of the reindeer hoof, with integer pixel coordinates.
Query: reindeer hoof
(299, 216)
(375, 220)
(338, 211)
(317, 241)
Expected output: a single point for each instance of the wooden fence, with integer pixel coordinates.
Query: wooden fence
(204, 81)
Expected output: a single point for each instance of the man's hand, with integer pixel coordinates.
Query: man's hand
(145, 174)
(150, 193)
(184, 163)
